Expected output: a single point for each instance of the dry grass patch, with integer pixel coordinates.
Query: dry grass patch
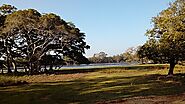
(11, 81)
(52, 77)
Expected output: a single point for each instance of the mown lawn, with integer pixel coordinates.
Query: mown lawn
(94, 86)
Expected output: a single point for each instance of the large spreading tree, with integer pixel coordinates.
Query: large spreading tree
(167, 37)
(30, 38)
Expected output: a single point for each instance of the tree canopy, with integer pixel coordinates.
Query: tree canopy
(28, 36)
(167, 37)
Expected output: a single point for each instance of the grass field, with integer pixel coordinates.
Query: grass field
(90, 86)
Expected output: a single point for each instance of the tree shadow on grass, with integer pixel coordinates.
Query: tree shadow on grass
(87, 91)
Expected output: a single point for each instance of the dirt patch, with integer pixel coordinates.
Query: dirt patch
(169, 99)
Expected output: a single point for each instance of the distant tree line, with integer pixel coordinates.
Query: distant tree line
(101, 58)
(129, 56)
(165, 44)
(32, 40)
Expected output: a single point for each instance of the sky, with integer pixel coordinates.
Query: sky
(111, 26)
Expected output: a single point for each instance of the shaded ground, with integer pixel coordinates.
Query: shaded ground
(103, 86)
(168, 99)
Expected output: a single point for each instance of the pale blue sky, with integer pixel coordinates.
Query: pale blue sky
(111, 26)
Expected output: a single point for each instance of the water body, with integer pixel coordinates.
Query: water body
(98, 65)
(81, 66)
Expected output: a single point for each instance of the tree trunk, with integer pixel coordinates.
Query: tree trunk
(172, 66)
(31, 68)
(45, 67)
(2, 70)
(1, 67)
(14, 67)
(51, 67)
(141, 60)
(8, 66)
(25, 68)
(40, 67)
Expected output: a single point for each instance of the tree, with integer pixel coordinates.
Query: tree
(29, 37)
(4, 11)
(150, 51)
(118, 58)
(169, 33)
(130, 55)
(100, 57)
(7, 9)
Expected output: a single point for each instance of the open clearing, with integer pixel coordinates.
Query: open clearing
(139, 85)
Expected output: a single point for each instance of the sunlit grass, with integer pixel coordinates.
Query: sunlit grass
(91, 87)
(11, 80)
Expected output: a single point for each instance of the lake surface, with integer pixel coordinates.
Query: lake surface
(82, 66)
(99, 65)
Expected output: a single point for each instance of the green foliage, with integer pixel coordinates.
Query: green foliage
(130, 55)
(151, 50)
(101, 57)
(30, 36)
(7, 9)
(166, 38)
